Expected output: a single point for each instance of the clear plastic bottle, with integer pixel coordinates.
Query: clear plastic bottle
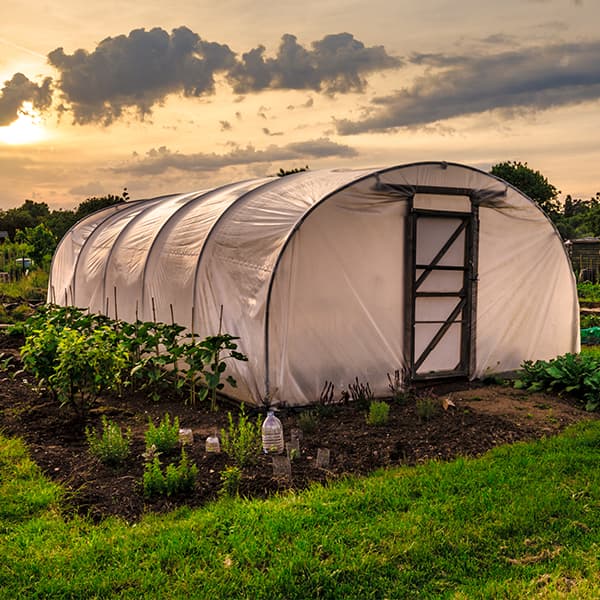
(272, 434)
(212, 444)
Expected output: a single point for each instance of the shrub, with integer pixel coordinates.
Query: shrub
(379, 413)
(230, 481)
(165, 437)
(111, 446)
(242, 441)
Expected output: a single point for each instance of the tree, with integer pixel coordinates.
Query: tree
(91, 205)
(531, 183)
(41, 242)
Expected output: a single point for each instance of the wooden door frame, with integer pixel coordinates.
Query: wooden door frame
(468, 305)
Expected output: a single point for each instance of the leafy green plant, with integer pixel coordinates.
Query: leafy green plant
(39, 352)
(242, 441)
(111, 446)
(231, 478)
(379, 413)
(427, 408)
(176, 479)
(588, 291)
(165, 437)
(206, 363)
(86, 366)
(575, 374)
(587, 321)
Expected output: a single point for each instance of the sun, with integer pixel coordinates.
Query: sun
(27, 129)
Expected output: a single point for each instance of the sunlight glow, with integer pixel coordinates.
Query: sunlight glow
(27, 129)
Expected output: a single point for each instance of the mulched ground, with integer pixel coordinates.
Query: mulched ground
(483, 417)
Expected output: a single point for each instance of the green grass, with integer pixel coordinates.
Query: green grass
(523, 521)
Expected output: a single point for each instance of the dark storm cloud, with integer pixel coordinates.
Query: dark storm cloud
(159, 160)
(18, 90)
(523, 80)
(137, 71)
(336, 64)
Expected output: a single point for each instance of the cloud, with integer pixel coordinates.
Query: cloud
(158, 161)
(524, 80)
(225, 125)
(267, 131)
(137, 71)
(19, 90)
(335, 64)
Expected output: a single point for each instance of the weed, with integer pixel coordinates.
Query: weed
(111, 446)
(230, 481)
(427, 408)
(242, 441)
(165, 437)
(379, 413)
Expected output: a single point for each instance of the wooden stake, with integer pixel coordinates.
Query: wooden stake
(116, 313)
(153, 310)
(193, 312)
(172, 317)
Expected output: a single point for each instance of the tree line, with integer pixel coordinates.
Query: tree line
(34, 230)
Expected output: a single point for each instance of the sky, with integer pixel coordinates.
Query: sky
(168, 97)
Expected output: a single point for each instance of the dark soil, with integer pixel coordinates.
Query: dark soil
(482, 417)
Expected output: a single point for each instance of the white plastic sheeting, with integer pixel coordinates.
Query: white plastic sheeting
(310, 271)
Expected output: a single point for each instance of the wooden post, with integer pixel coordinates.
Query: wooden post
(116, 312)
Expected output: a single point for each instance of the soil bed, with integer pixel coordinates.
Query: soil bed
(482, 417)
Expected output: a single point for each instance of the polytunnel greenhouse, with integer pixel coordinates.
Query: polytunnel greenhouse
(434, 269)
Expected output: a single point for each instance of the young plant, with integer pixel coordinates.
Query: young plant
(379, 413)
(230, 481)
(397, 387)
(307, 420)
(242, 441)
(176, 479)
(165, 437)
(427, 408)
(110, 446)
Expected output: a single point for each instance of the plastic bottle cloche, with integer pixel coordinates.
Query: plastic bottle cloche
(272, 434)
(212, 444)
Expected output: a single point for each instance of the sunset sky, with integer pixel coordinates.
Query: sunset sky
(163, 97)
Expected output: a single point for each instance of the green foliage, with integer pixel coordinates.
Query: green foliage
(206, 364)
(165, 437)
(176, 479)
(574, 374)
(148, 356)
(530, 182)
(231, 478)
(307, 420)
(111, 446)
(86, 366)
(588, 291)
(379, 413)
(41, 243)
(587, 321)
(427, 408)
(242, 441)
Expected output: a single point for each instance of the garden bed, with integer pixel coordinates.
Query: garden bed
(482, 417)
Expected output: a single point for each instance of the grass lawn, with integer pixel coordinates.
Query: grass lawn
(523, 521)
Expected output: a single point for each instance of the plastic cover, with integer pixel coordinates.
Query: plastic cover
(309, 270)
